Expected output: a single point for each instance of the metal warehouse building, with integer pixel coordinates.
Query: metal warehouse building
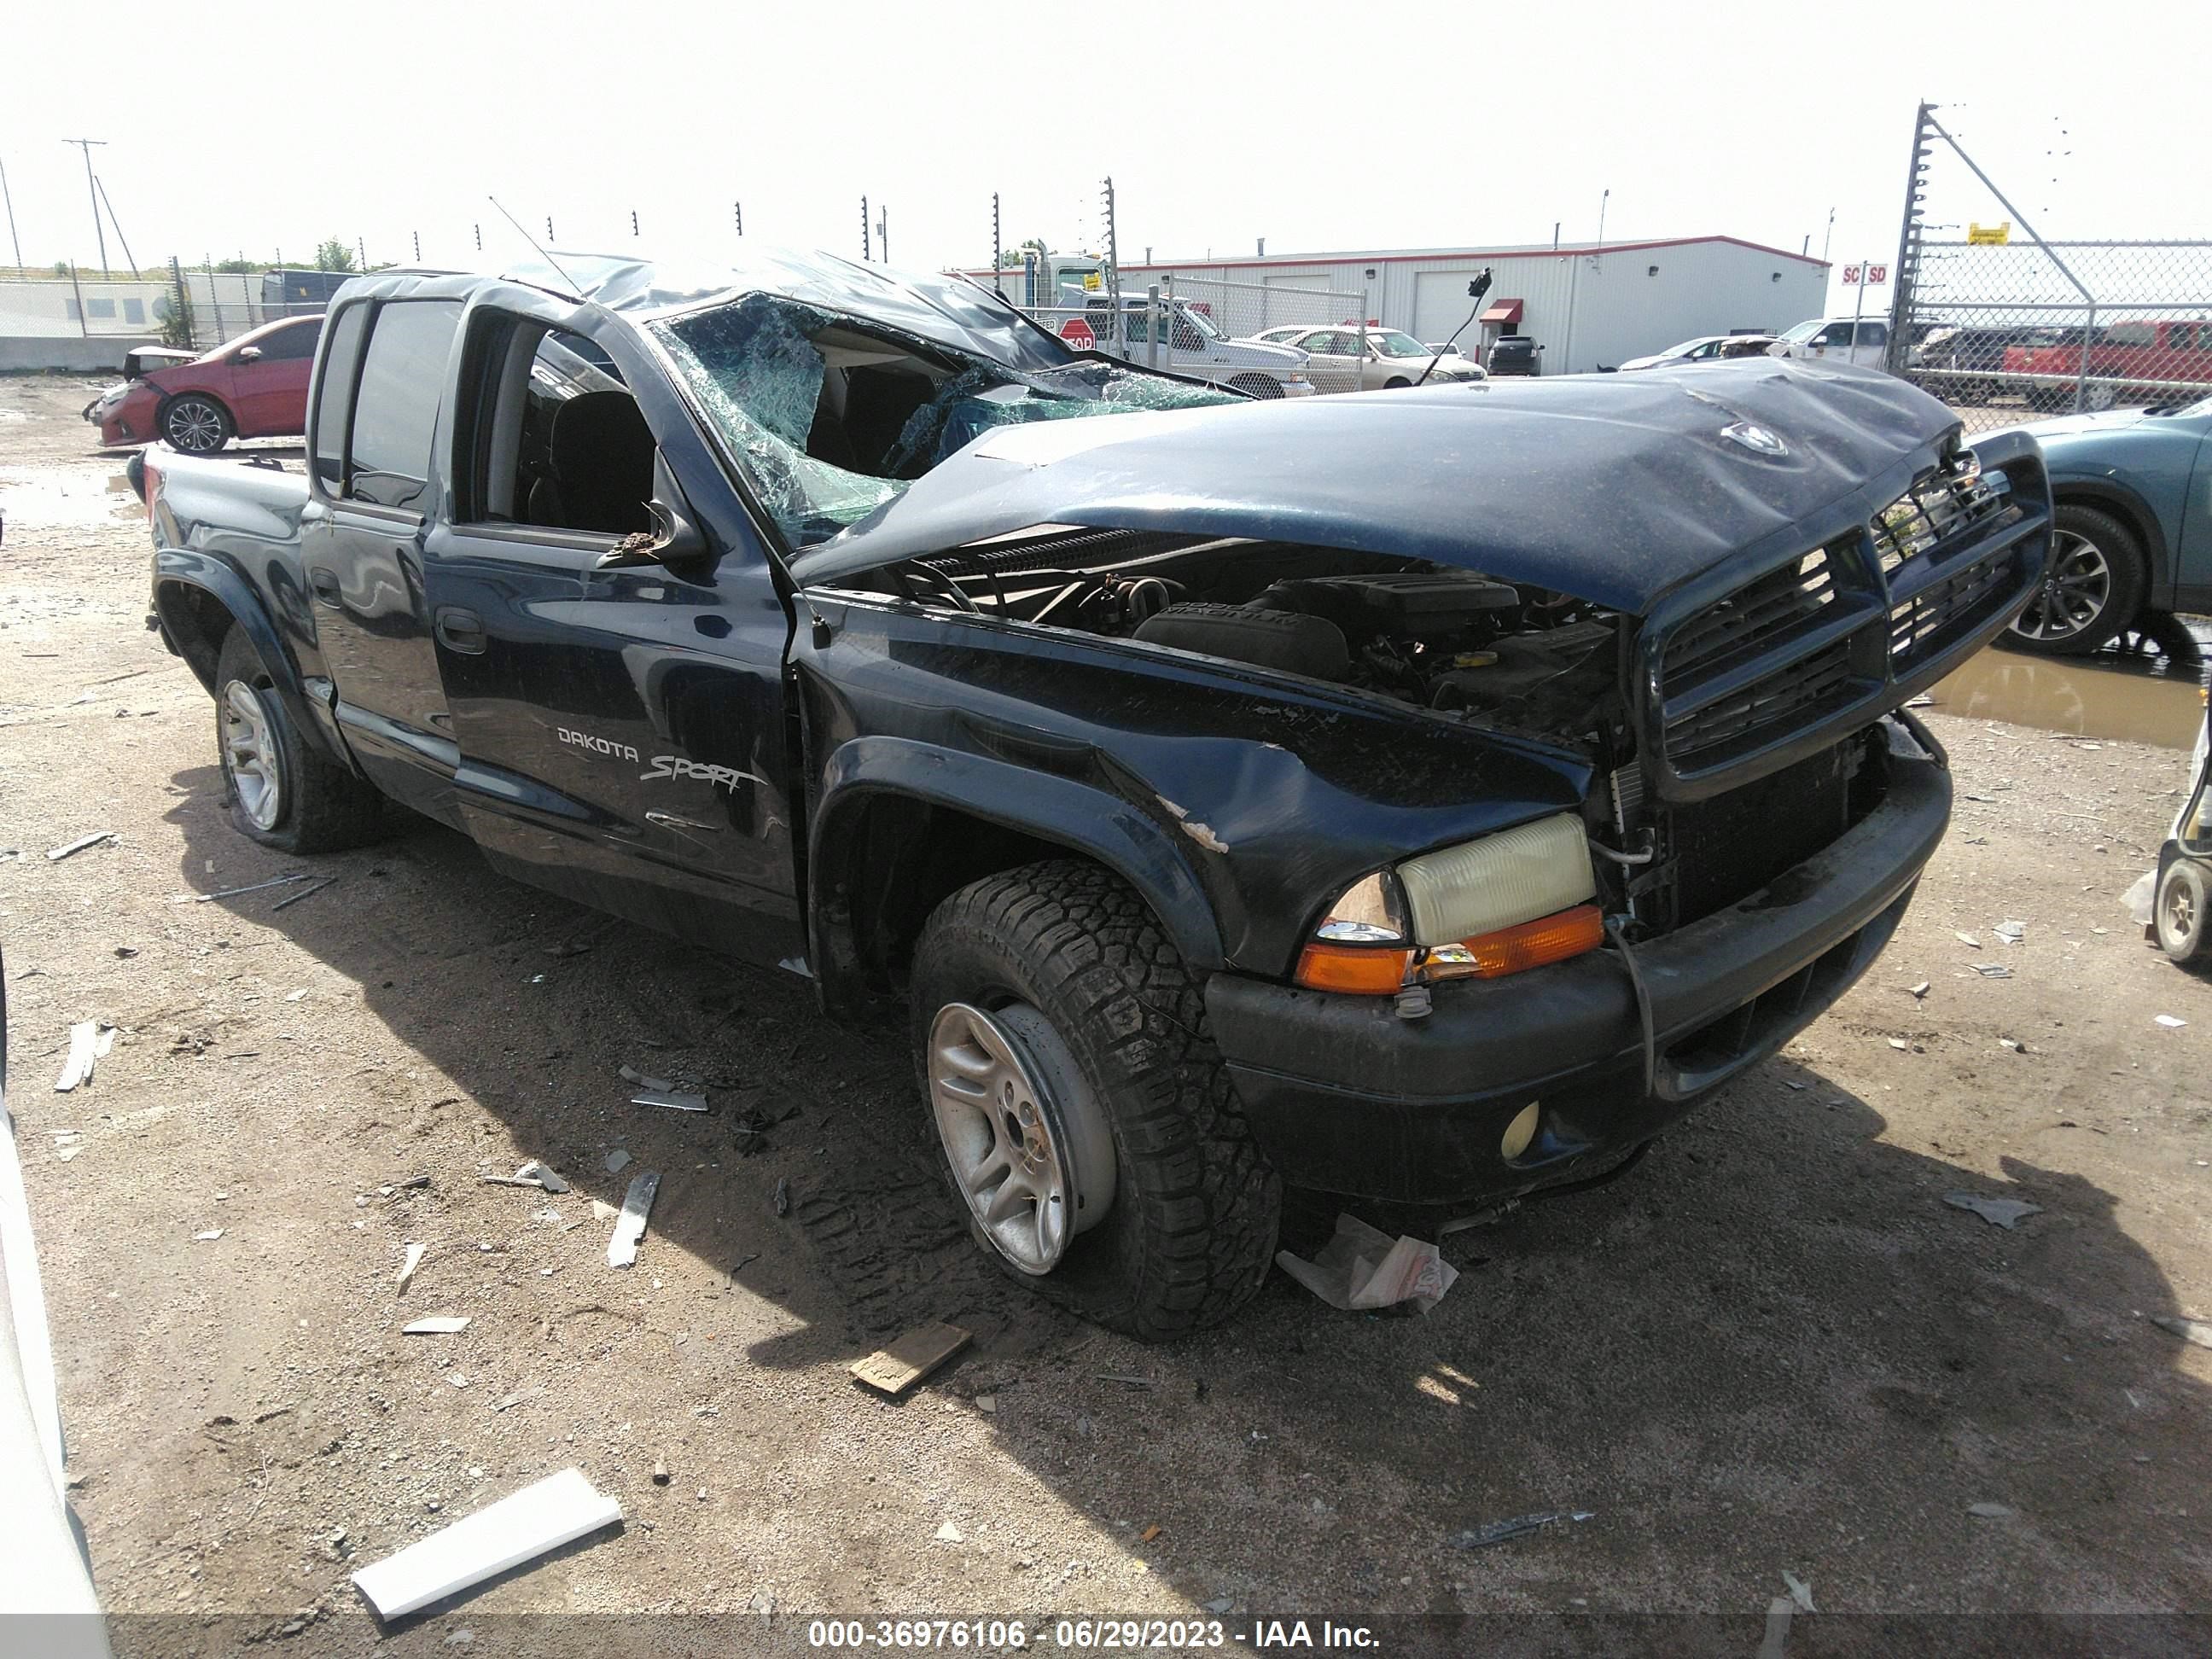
(1587, 304)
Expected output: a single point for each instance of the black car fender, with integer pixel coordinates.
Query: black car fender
(1058, 811)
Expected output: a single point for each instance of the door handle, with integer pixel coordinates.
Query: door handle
(325, 585)
(461, 631)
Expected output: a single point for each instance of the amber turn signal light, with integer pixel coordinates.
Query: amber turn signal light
(1529, 945)
(1362, 969)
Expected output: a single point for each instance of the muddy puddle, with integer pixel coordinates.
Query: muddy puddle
(58, 497)
(2103, 696)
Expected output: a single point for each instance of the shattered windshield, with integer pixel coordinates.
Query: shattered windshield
(831, 417)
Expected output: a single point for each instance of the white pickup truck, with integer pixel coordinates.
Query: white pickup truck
(1192, 343)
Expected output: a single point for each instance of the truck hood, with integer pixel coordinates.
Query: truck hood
(1612, 490)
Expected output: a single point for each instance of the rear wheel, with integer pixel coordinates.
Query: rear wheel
(195, 425)
(1396, 383)
(1085, 1121)
(2181, 908)
(282, 791)
(2093, 590)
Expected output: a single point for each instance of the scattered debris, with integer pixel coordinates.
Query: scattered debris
(656, 1084)
(407, 1268)
(87, 1045)
(2136, 900)
(948, 1534)
(1899, 1043)
(555, 1511)
(1497, 1532)
(1801, 1591)
(1990, 969)
(895, 1368)
(617, 1160)
(532, 1174)
(436, 1325)
(782, 1197)
(660, 1473)
(2189, 1330)
(58, 853)
(629, 1225)
(1116, 1377)
(2005, 1212)
(987, 1404)
(2171, 1022)
(1968, 941)
(2013, 1043)
(2012, 932)
(254, 887)
(1991, 1511)
(518, 1397)
(1919, 990)
(1361, 1267)
(1776, 1641)
(567, 948)
(673, 1102)
(1151, 1532)
(208, 1236)
(126, 952)
(304, 893)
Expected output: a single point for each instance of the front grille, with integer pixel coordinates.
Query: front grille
(1923, 625)
(1792, 697)
(1939, 506)
(1732, 845)
(1751, 619)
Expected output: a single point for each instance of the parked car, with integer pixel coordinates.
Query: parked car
(1864, 341)
(255, 386)
(1515, 354)
(1195, 346)
(1373, 796)
(1966, 364)
(1393, 359)
(48, 1603)
(2132, 535)
(2143, 361)
(1706, 348)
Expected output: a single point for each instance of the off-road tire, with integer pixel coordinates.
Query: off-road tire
(2181, 910)
(321, 806)
(1193, 1226)
(2127, 572)
(193, 424)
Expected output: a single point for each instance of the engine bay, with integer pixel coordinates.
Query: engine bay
(1511, 657)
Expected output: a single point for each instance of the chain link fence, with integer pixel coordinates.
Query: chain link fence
(2000, 317)
(180, 307)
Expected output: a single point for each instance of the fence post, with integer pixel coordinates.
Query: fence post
(2081, 360)
(1155, 319)
(1171, 318)
(83, 323)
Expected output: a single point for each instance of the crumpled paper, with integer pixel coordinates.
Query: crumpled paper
(2136, 900)
(1361, 1268)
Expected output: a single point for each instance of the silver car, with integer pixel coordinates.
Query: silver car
(1394, 358)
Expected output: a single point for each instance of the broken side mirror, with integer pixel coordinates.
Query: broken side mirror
(675, 539)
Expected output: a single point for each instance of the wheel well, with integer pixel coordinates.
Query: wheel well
(2136, 520)
(161, 410)
(901, 860)
(1395, 383)
(195, 622)
(1257, 384)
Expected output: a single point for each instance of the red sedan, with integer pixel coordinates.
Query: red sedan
(254, 388)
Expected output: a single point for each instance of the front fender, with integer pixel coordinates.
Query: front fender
(1055, 809)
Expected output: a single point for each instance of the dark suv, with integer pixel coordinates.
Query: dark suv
(1515, 354)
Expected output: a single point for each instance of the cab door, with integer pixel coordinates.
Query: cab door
(619, 721)
(362, 537)
(269, 392)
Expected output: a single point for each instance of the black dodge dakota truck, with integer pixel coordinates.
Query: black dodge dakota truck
(1420, 797)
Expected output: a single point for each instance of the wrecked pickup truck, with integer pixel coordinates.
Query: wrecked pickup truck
(1421, 799)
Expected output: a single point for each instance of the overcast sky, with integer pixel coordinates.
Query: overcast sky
(267, 128)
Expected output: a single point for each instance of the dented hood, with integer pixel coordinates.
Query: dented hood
(1607, 487)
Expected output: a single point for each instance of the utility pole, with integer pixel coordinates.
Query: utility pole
(1603, 201)
(92, 190)
(632, 221)
(998, 254)
(478, 228)
(548, 227)
(867, 251)
(18, 241)
(1826, 236)
(418, 247)
(738, 208)
(883, 232)
(1113, 270)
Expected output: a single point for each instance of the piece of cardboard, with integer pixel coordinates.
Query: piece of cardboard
(555, 1511)
(895, 1368)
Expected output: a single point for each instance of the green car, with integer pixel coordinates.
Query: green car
(2133, 532)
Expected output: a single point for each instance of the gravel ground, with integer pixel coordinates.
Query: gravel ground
(1774, 1348)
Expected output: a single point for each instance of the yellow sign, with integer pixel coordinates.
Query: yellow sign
(1092, 282)
(1996, 235)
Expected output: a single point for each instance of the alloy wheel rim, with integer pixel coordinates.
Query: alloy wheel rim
(2074, 593)
(2180, 912)
(250, 753)
(194, 425)
(1025, 1138)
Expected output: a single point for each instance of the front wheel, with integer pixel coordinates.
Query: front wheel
(1257, 386)
(1085, 1119)
(2093, 590)
(2181, 908)
(283, 792)
(196, 425)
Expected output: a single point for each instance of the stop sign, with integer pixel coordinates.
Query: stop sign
(1076, 332)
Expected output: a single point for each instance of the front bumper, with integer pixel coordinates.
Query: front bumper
(1346, 1097)
(1299, 388)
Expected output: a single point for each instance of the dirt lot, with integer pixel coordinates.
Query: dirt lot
(1773, 1349)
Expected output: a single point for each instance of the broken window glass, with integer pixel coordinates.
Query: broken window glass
(783, 399)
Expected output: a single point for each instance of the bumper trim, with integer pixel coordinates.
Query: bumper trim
(1346, 1097)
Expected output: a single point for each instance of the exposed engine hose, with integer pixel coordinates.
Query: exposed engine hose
(1614, 932)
